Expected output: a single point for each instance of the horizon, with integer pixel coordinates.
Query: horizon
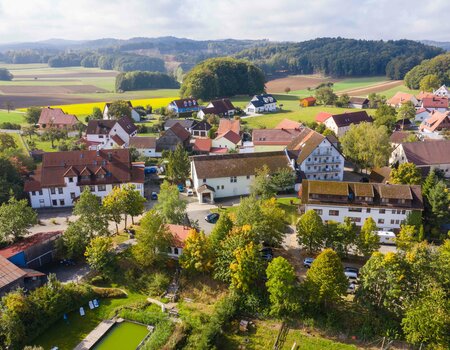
(22, 21)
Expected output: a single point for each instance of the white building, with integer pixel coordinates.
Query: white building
(62, 176)
(316, 157)
(261, 104)
(222, 108)
(184, 106)
(422, 114)
(108, 134)
(179, 235)
(134, 114)
(388, 205)
(340, 123)
(434, 103)
(145, 145)
(443, 91)
(426, 155)
(230, 175)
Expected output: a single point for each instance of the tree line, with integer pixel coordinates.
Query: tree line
(340, 57)
(437, 67)
(138, 80)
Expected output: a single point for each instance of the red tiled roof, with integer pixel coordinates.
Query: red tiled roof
(202, 145)
(423, 94)
(274, 136)
(9, 273)
(435, 102)
(117, 139)
(398, 136)
(322, 116)
(179, 233)
(180, 132)
(143, 142)
(400, 98)
(28, 242)
(309, 99)
(56, 116)
(288, 124)
(230, 136)
(437, 121)
(219, 150)
(226, 125)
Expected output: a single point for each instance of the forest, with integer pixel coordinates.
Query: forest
(438, 66)
(145, 80)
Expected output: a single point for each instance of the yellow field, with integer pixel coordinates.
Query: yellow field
(86, 108)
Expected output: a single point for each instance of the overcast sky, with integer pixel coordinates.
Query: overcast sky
(293, 20)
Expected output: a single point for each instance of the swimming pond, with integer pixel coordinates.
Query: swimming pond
(122, 336)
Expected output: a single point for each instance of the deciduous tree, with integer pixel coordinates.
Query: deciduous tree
(178, 167)
(407, 174)
(429, 83)
(134, 202)
(92, 214)
(262, 185)
(73, 243)
(407, 111)
(368, 240)
(310, 231)
(220, 231)
(7, 141)
(119, 109)
(114, 205)
(197, 254)
(32, 115)
(171, 207)
(385, 115)
(16, 217)
(246, 269)
(326, 96)
(406, 238)
(100, 254)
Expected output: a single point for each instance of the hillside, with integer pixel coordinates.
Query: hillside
(442, 44)
(439, 66)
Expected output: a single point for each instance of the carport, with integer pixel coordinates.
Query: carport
(205, 194)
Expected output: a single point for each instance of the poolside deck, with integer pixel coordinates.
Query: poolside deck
(95, 335)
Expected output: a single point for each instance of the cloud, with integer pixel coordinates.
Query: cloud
(291, 20)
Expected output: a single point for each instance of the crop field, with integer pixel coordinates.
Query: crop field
(297, 83)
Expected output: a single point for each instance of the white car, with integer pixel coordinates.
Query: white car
(189, 192)
(351, 275)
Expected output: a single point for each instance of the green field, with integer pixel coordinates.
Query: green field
(11, 117)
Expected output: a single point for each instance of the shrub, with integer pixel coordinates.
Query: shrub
(158, 284)
(109, 292)
(10, 126)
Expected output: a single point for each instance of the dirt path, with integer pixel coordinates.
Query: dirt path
(379, 87)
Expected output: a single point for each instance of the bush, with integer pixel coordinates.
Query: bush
(109, 292)
(10, 126)
(158, 284)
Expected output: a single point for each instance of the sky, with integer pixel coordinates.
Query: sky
(276, 20)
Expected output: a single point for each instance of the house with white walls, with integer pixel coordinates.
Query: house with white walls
(443, 91)
(223, 108)
(422, 114)
(134, 114)
(179, 235)
(315, 156)
(401, 98)
(108, 134)
(145, 145)
(62, 176)
(228, 134)
(230, 175)
(340, 123)
(388, 205)
(261, 104)
(435, 103)
(184, 106)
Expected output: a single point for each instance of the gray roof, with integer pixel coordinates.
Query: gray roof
(185, 123)
(427, 152)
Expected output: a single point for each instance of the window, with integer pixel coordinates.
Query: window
(92, 188)
(175, 251)
(382, 211)
(318, 211)
(355, 210)
(248, 177)
(61, 202)
(403, 212)
(381, 221)
(222, 187)
(33, 193)
(397, 222)
(54, 202)
(40, 192)
(204, 181)
(218, 187)
(368, 210)
(70, 179)
(101, 188)
(353, 219)
(60, 190)
(52, 190)
(333, 213)
(233, 179)
(392, 221)
(72, 195)
(41, 201)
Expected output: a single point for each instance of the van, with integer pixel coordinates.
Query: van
(386, 237)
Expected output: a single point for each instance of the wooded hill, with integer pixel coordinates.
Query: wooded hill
(439, 66)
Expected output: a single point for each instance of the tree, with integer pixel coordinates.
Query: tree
(16, 217)
(284, 179)
(368, 240)
(10, 179)
(326, 96)
(340, 237)
(366, 145)
(5, 75)
(114, 205)
(197, 253)
(429, 83)
(375, 100)
(92, 214)
(385, 115)
(427, 319)
(170, 205)
(9, 106)
(100, 254)
(407, 174)
(134, 202)
(28, 131)
(262, 185)
(96, 114)
(406, 238)
(119, 109)
(178, 167)
(32, 115)
(407, 111)
(74, 241)
(287, 89)
(246, 268)
(281, 286)
(53, 134)
(439, 202)
(343, 101)
(7, 141)
(220, 231)
(310, 231)
(153, 238)
(325, 279)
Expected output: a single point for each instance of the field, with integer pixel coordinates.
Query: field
(11, 117)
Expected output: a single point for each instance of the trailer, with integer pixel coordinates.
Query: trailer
(386, 237)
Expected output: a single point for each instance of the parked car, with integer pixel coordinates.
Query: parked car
(189, 192)
(351, 289)
(151, 170)
(351, 269)
(180, 188)
(267, 253)
(67, 262)
(307, 262)
(154, 196)
(351, 275)
(212, 218)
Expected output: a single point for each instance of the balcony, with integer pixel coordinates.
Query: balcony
(315, 171)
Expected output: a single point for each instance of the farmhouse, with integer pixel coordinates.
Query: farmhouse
(307, 101)
(172, 137)
(321, 117)
(273, 139)
(437, 122)
(443, 91)
(134, 114)
(229, 175)
(400, 98)
(389, 205)
(179, 235)
(358, 102)
(425, 155)
(145, 145)
(340, 123)
(184, 106)
(435, 103)
(194, 127)
(62, 176)
(56, 118)
(228, 134)
(315, 156)
(33, 251)
(222, 108)
(261, 104)
(108, 134)
(288, 124)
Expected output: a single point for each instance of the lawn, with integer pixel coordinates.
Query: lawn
(19, 141)
(265, 334)
(291, 210)
(391, 92)
(66, 335)
(11, 117)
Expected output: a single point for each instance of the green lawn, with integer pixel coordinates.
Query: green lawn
(67, 335)
(11, 117)
(265, 334)
(391, 92)
(19, 141)
(291, 210)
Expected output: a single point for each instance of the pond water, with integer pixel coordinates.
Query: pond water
(122, 336)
